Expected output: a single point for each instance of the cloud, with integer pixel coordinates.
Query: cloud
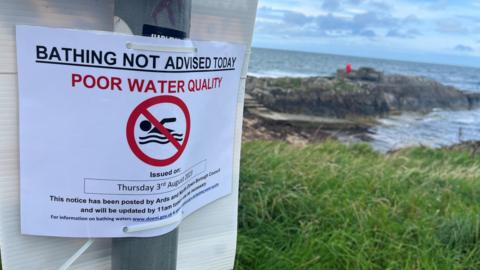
(269, 13)
(370, 24)
(473, 19)
(380, 5)
(426, 26)
(412, 19)
(438, 5)
(331, 22)
(360, 24)
(414, 32)
(367, 33)
(409, 34)
(295, 18)
(451, 26)
(357, 2)
(331, 5)
(463, 48)
(374, 19)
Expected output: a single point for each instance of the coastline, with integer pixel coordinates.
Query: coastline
(346, 107)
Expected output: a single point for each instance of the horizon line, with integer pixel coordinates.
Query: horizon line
(372, 57)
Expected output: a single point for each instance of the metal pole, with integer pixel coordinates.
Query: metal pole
(170, 18)
(145, 253)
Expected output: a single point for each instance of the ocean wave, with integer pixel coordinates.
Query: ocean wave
(159, 141)
(161, 137)
(279, 74)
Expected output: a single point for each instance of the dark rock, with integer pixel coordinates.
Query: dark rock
(473, 100)
(364, 92)
(471, 146)
(362, 74)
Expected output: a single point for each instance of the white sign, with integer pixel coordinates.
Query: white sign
(118, 132)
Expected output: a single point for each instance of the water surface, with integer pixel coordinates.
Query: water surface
(439, 128)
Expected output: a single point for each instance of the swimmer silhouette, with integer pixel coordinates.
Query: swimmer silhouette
(154, 135)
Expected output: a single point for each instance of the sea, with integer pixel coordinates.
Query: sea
(436, 129)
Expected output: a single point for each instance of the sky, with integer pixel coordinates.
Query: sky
(433, 31)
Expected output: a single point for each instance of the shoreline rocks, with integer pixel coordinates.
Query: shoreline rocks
(362, 93)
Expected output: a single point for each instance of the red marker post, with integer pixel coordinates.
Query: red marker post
(348, 68)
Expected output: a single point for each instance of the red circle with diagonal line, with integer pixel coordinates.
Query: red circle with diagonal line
(142, 109)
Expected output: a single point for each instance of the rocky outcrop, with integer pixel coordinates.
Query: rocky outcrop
(473, 100)
(362, 74)
(473, 147)
(364, 92)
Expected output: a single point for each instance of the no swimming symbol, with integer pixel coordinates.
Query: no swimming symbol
(156, 131)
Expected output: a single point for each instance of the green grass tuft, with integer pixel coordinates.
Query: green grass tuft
(331, 206)
(344, 86)
(288, 82)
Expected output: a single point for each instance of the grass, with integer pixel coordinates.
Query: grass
(330, 206)
(344, 86)
(288, 82)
